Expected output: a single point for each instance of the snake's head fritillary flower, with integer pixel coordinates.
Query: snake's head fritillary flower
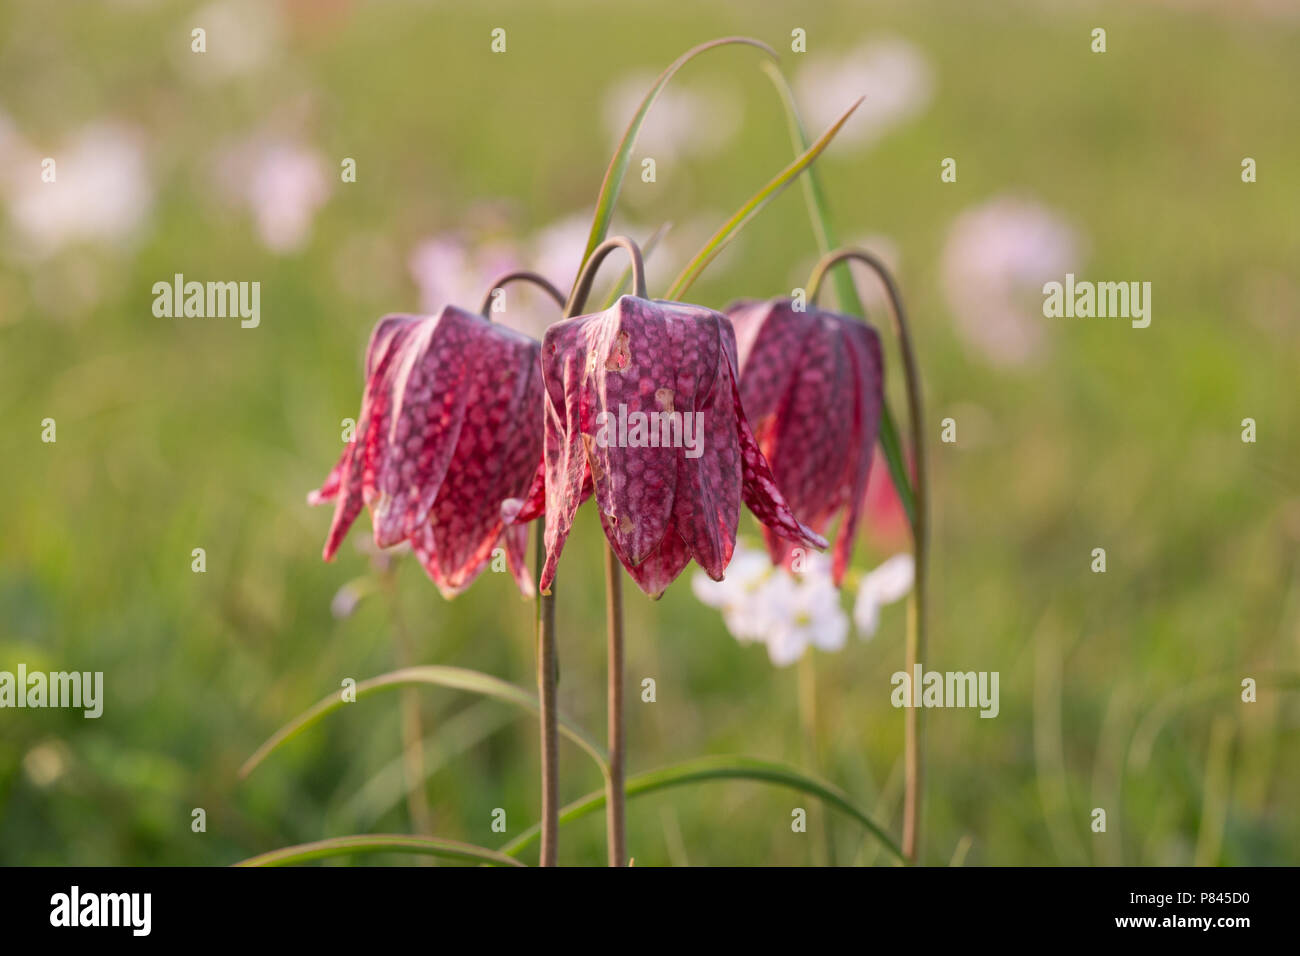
(445, 434)
(812, 384)
(642, 402)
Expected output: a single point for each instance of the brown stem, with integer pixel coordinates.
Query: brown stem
(615, 796)
(615, 816)
(913, 753)
(647, 248)
(546, 688)
(519, 275)
(582, 288)
(547, 658)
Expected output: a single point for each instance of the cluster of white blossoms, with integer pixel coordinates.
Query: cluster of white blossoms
(791, 611)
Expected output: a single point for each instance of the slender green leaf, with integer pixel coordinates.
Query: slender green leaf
(893, 449)
(456, 678)
(380, 843)
(460, 732)
(618, 163)
(753, 206)
(814, 194)
(716, 768)
(1195, 694)
(846, 292)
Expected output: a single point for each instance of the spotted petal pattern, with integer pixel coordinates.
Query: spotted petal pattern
(641, 401)
(812, 382)
(447, 431)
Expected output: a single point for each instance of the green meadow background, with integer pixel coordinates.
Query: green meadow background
(1118, 690)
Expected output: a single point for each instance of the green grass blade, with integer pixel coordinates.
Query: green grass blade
(456, 678)
(753, 206)
(815, 195)
(391, 784)
(612, 184)
(380, 843)
(893, 450)
(846, 293)
(717, 768)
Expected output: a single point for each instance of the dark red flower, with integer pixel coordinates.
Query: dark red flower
(884, 509)
(642, 406)
(812, 383)
(448, 429)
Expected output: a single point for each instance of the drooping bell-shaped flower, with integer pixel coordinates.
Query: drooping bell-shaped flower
(642, 405)
(448, 429)
(812, 384)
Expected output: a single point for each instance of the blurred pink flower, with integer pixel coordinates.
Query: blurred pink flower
(449, 268)
(446, 269)
(101, 191)
(893, 74)
(289, 184)
(995, 261)
(684, 122)
(282, 182)
(557, 249)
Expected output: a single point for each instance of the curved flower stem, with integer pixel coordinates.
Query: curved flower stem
(547, 658)
(547, 673)
(519, 275)
(614, 789)
(913, 762)
(647, 248)
(582, 288)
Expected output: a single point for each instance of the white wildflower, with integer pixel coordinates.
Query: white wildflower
(886, 584)
(786, 612)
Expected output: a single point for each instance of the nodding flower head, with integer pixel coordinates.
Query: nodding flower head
(642, 408)
(812, 383)
(446, 433)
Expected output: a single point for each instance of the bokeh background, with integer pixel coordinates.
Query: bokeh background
(1118, 690)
